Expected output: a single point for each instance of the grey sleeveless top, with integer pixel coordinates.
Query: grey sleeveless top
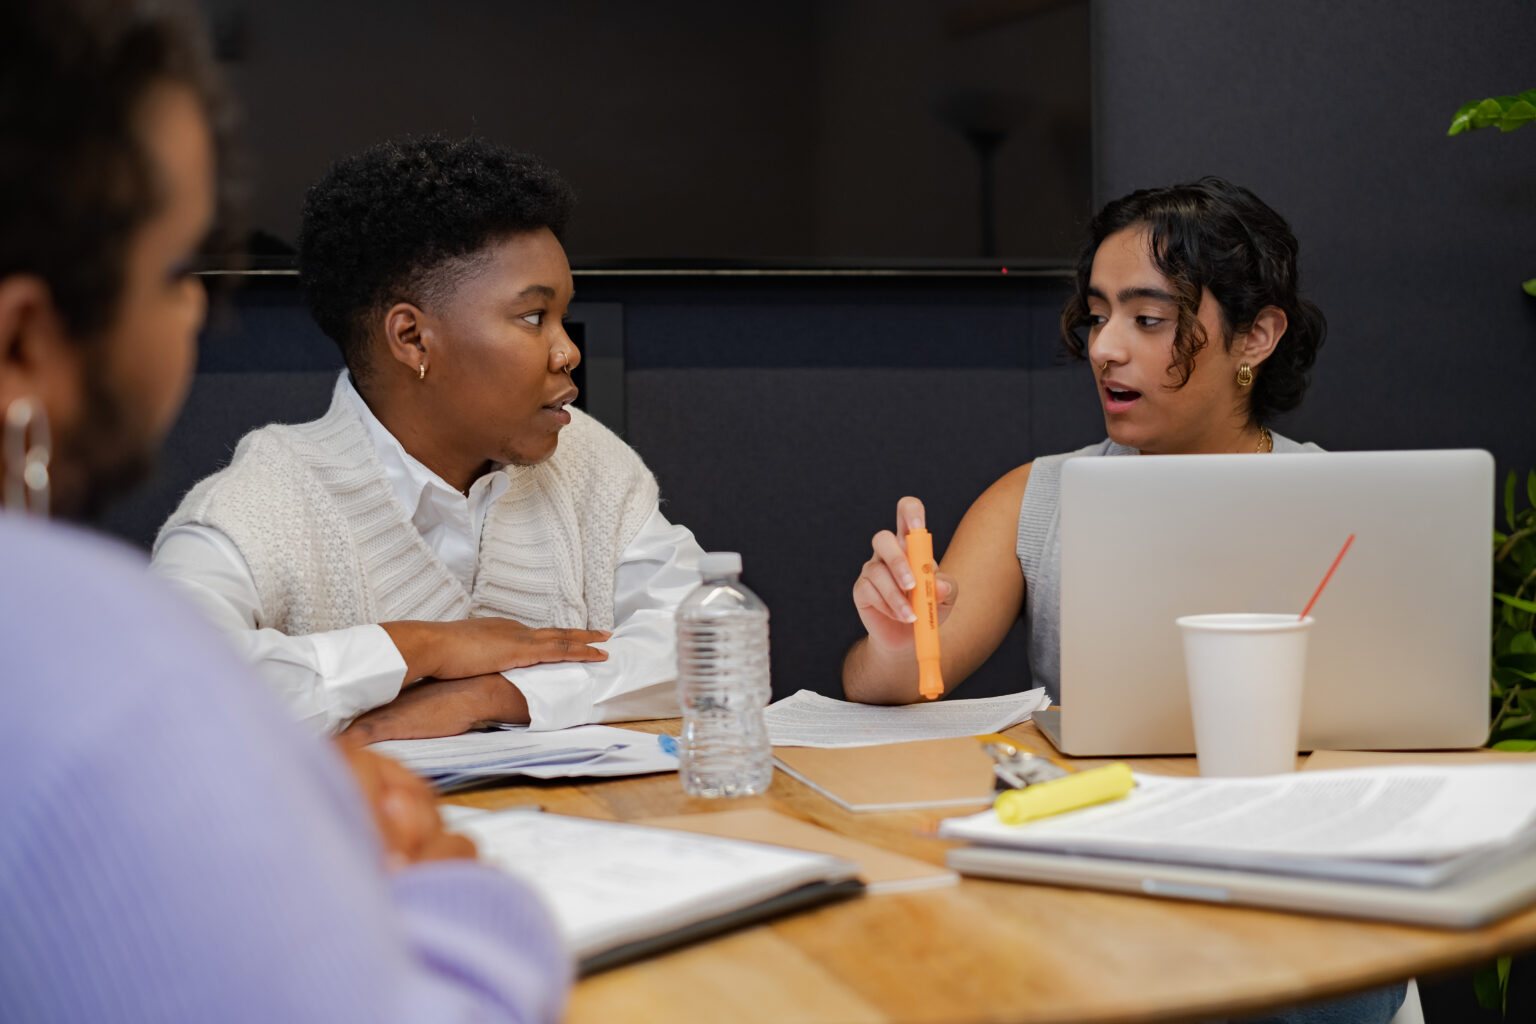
(1039, 551)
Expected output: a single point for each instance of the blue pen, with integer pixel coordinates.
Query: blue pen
(668, 743)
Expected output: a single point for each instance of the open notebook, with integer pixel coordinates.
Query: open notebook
(620, 892)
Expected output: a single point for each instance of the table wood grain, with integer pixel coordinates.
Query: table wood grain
(987, 950)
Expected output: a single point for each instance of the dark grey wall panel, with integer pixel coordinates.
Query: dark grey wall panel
(1413, 243)
(797, 468)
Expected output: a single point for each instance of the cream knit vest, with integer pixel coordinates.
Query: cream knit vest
(329, 547)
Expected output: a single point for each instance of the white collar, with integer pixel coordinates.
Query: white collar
(417, 488)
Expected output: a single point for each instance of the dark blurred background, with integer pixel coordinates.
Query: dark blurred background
(693, 129)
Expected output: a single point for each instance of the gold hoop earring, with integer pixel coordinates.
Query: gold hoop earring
(421, 372)
(1244, 375)
(28, 450)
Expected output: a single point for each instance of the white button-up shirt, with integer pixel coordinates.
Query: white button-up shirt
(327, 679)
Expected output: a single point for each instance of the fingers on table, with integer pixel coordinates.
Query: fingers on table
(550, 645)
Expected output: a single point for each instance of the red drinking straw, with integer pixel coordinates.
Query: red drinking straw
(1327, 576)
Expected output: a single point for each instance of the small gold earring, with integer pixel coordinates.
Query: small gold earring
(421, 372)
(1244, 375)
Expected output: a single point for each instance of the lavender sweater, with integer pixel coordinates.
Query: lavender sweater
(173, 848)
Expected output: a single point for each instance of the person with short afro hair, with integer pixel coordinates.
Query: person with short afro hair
(452, 543)
(409, 218)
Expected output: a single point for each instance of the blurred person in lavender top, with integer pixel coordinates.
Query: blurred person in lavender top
(172, 846)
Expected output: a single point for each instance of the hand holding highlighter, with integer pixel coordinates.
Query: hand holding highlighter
(925, 605)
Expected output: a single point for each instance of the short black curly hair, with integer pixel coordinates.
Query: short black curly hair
(1212, 234)
(76, 181)
(402, 222)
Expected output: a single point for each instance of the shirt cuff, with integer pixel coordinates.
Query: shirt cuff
(362, 668)
(558, 695)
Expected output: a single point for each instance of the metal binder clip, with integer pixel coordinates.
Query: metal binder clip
(1016, 769)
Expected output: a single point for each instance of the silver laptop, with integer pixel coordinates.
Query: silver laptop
(1399, 656)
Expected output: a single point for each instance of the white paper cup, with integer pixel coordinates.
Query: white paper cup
(1245, 680)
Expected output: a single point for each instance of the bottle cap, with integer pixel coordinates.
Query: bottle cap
(720, 563)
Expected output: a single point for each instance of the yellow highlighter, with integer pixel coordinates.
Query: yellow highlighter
(925, 604)
(1068, 793)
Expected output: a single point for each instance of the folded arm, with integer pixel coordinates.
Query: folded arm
(327, 679)
(637, 680)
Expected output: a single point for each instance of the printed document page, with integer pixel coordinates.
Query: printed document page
(586, 750)
(1399, 814)
(809, 719)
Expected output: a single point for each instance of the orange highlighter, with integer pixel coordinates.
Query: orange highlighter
(925, 604)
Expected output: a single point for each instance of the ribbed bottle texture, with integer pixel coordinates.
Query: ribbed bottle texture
(722, 684)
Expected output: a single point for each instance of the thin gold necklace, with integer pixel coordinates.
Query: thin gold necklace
(1266, 441)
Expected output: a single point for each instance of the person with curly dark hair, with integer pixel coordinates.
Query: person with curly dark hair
(1187, 308)
(452, 543)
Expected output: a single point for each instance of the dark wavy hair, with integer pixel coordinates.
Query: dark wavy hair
(404, 220)
(76, 182)
(1216, 236)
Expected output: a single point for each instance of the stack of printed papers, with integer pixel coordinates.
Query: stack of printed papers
(454, 762)
(1414, 826)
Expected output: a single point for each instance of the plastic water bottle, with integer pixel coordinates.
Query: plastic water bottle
(722, 684)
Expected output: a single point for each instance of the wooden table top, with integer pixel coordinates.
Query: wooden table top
(986, 950)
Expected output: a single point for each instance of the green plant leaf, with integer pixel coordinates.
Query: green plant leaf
(1509, 500)
(1487, 113)
(1520, 661)
(1514, 727)
(1529, 286)
(1462, 120)
(1520, 746)
(1517, 115)
(1485, 983)
(1511, 678)
(1517, 602)
(1507, 112)
(1522, 643)
(1530, 487)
